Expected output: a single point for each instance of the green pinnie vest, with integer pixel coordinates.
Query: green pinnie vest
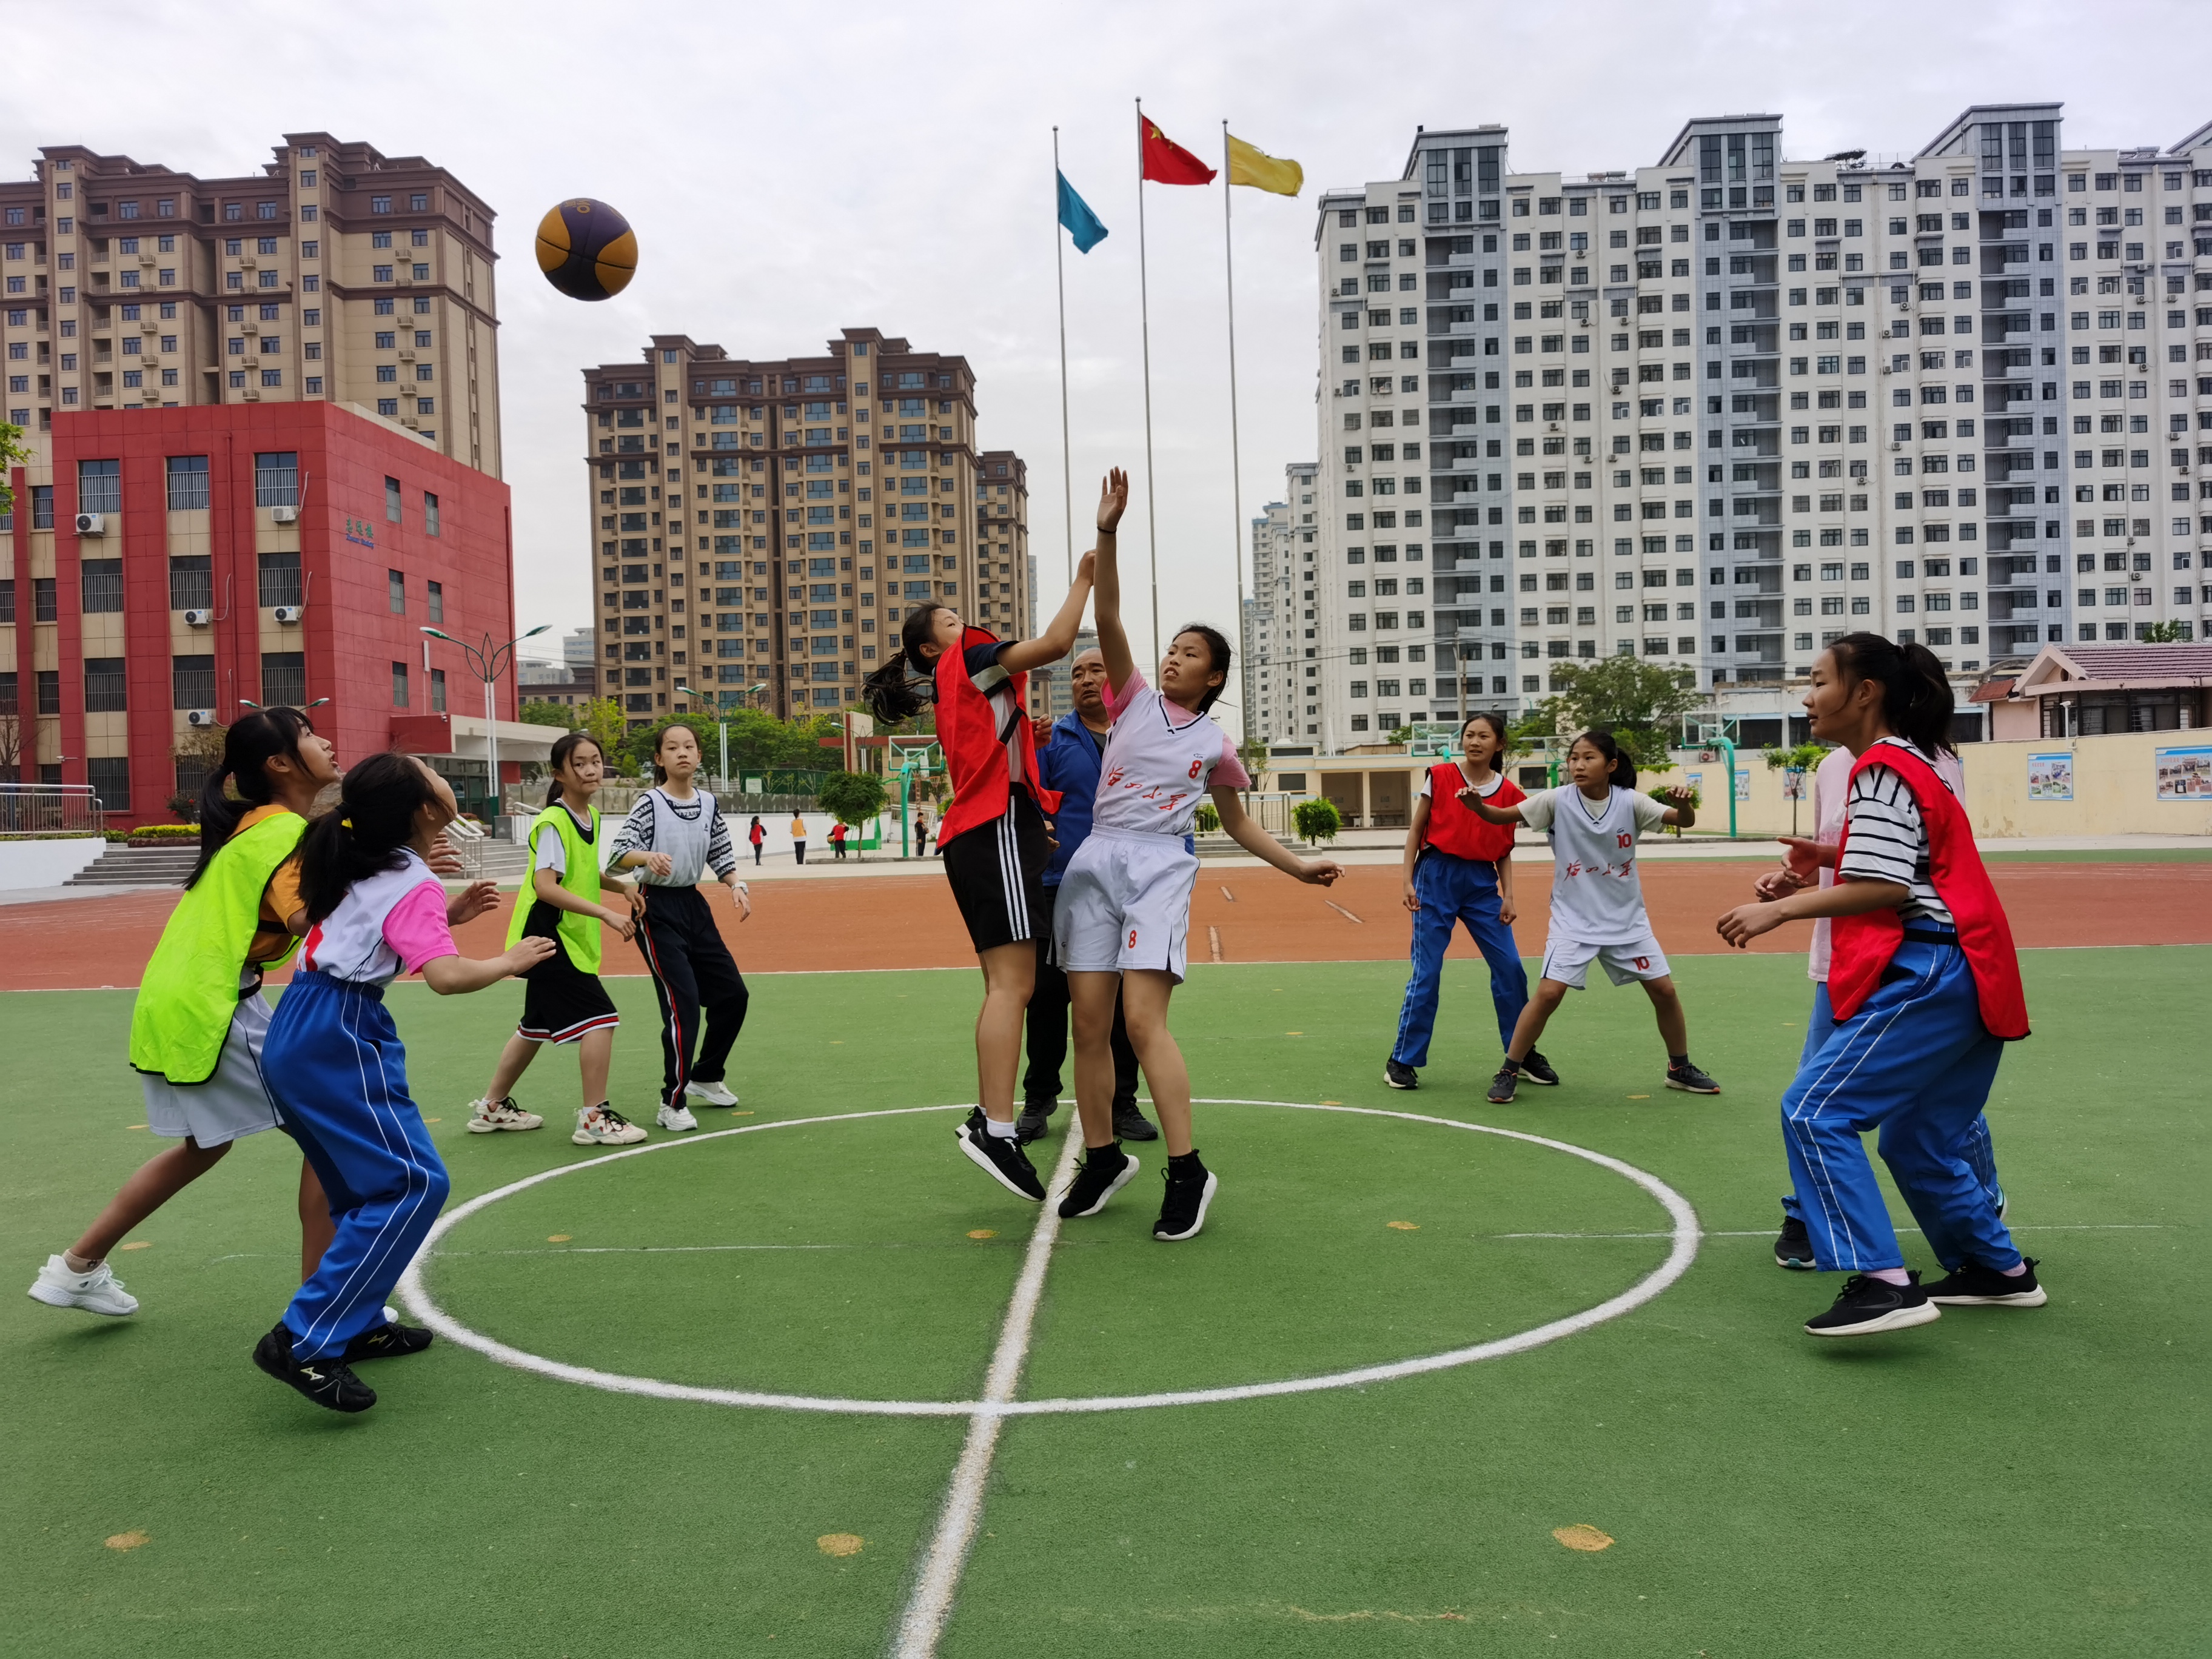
(580, 934)
(190, 989)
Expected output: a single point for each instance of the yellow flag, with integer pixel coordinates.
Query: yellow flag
(1256, 167)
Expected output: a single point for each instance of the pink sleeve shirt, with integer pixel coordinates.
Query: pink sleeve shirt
(416, 929)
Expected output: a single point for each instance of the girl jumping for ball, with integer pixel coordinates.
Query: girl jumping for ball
(676, 833)
(562, 1001)
(1460, 870)
(993, 837)
(1597, 901)
(1122, 917)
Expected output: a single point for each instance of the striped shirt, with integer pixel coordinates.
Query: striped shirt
(691, 832)
(1886, 840)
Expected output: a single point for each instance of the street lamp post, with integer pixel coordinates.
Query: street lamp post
(488, 665)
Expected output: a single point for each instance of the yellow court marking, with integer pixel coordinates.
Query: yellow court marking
(140, 1244)
(984, 1232)
(1404, 1227)
(847, 1543)
(1294, 1034)
(1583, 1537)
(128, 1540)
(558, 1238)
(434, 1120)
(134, 1126)
(1639, 1097)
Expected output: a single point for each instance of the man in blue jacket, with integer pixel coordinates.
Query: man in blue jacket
(1068, 761)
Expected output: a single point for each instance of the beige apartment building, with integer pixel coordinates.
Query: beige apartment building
(762, 527)
(336, 273)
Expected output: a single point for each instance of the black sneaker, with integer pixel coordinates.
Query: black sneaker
(389, 1340)
(1868, 1306)
(330, 1384)
(1976, 1287)
(1795, 1248)
(1537, 1069)
(1130, 1124)
(1688, 1079)
(1034, 1121)
(1102, 1173)
(1000, 1157)
(1400, 1075)
(1502, 1085)
(1182, 1208)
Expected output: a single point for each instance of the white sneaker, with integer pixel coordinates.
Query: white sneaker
(678, 1118)
(98, 1292)
(715, 1094)
(602, 1125)
(486, 1115)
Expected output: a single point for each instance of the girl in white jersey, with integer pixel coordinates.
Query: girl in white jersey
(1597, 901)
(1123, 914)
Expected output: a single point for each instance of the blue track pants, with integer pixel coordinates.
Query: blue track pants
(1453, 890)
(334, 1067)
(1916, 1062)
(1980, 1156)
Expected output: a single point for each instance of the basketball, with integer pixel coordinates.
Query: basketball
(586, 249)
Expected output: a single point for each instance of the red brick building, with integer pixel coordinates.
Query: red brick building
(182, 562)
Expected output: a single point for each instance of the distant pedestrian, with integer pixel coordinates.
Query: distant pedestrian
(756, 835)
(838, 838)
(921, 834)
(799, 838)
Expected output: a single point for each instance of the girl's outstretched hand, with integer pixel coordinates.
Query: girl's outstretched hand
(1320, 873)
(472, 902)
(1746, 923)
(1676, 797)
(526, 953)
(1113, 500)
(659, 863)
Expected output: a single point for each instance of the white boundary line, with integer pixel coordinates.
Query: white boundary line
(931, 1604)
(1684, 1235)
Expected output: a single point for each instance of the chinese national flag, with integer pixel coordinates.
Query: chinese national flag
(1166, 163)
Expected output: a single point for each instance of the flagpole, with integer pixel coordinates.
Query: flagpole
(1144, 318)
(1059, 276)
(1235, 457)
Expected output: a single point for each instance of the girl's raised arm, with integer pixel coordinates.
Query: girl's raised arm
(1483, 810)
(1059, 636)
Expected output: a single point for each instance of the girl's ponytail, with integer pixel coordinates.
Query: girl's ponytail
(1918, 702)
(257, 738)
(1621, 765)
(905, 685)
(373, 820)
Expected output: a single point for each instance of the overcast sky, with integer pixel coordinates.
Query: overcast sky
(794, 170)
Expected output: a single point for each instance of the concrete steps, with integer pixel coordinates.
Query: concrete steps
(138, 867)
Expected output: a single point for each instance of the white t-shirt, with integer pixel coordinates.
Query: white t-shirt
(387, 924)
(1483, 790)
(1596, 898)
(1160, 760)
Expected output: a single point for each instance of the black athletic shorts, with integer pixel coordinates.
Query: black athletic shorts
(559, 1001)
(997, 871)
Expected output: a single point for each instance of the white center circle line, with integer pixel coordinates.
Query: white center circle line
(1684, 1235)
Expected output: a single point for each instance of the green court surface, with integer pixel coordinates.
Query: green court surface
(2000, 1481)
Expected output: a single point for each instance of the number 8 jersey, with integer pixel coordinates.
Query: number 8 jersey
(1160, 760)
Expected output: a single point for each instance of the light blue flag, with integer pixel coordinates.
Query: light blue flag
(1081, 223)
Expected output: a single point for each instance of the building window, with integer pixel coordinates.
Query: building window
(100, 582)
(276, 478)
(279, 580)
(392, 500)
(395, 592)
(283, 680)
(192, 583)
(387, 405)
(99, 487)
(192, 682)
(437, 690)
(399, 685)
(430, 501)
(103, 685)
(109, 778)
(435, 601)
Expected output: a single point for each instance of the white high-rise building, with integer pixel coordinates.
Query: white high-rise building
(1697, 412)
(1278, 626)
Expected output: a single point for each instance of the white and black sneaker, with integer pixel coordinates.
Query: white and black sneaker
(1504, 1085)
(1399, 1075)
(1794, 1249)
(330, 1384)
(1537, 1069)
(1190, 1188)
(1000, 1157)
(1869, 1306)
(1102, 1173)
(1686, 1077)
(1973, 1286)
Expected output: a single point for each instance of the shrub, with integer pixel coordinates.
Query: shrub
(1209, 819)
(1317, 820)
(163, 835)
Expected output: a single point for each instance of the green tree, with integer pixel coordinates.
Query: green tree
(1640, 703)
(541, 711)
(853, 797)
(1317, 820)
(11, 451)
(1209, 819)
(1803, 759)
(2164, 633)
(602, 718)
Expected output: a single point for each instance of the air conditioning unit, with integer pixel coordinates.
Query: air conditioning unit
(92, 524)
(288, 613)
(198, 618)
(200, 717)
(284, 514)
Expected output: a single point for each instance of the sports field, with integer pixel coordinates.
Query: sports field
(2002, 1481)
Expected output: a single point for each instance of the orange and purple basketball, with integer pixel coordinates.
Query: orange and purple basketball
(586, 249)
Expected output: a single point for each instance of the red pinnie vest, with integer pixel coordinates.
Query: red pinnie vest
(1863, 945)
(1455, 829)
(975, 747)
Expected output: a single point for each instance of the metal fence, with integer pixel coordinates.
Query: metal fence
(30, 809)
